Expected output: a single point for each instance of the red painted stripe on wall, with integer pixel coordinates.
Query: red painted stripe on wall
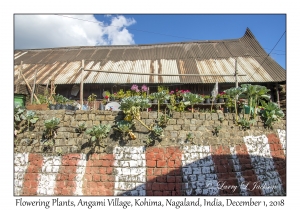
(66, 178)
(99, 178)
(278, 156)
(30, 184)
(227, 182)
(247, 170)
(163, 171)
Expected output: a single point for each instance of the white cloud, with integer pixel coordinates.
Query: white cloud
(47, 31)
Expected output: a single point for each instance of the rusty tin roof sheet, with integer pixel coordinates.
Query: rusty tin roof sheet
(200, 57)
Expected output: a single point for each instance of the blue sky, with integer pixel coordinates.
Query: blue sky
(46, 31)
(267, 29)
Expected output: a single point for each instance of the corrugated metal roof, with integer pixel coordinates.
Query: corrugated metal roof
(203, 58)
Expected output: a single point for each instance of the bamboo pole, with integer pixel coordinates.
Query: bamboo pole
(33, 86)
(18, 84)
(27, 83)
(277, 95)
(140, 73)
(81, 84)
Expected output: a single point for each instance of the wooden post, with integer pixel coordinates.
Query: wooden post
(236, 77)
(81, 84)
(28, 84)
(19, 75)
(236, 74)
(33, 86)
(277, 95)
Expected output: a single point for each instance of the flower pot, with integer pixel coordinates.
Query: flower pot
(225, 110)
(247, 109)
(52, 106)
(57, 106)
(220, 100)
(213, 101)
(240, 110)
(207, 101)
(225, 99)
(102, 107)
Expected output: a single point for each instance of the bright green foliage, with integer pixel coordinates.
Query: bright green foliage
(31, 117)
(163, 120)
(23, 119)
(98, 132)
(192, 99)
(81, 127)
(181, 106)
(255, 95)
(51, 125)
(245, 124)
(19, 114)
(160, 97)
(271, 113)
(157, 130)
(132, 106)
(92, 97)
(234, 94)
(124, 126)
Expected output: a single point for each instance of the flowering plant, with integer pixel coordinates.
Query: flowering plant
(221, 95)
(135, 90)
(144, 88)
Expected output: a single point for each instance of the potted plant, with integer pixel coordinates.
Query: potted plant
(112, 97)
(206, 99)
(41, 103)
(135, 90)
(120, 94)
(91, 99)
(226, 97)
(220, 97)
(192, 99)
(64, 101)
(228, 105)
(59, 100)
(144, 90)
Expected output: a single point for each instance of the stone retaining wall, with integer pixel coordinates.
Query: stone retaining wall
(234, 162)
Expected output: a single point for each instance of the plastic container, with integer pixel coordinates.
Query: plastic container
(19, 99)
(247, 109)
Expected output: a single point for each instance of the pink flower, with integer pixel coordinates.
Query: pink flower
(144, 88)
(171, 92)
(135, 88)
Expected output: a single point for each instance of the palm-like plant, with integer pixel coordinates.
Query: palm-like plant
(255, 94)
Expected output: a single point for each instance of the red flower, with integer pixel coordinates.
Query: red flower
(106, 97)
